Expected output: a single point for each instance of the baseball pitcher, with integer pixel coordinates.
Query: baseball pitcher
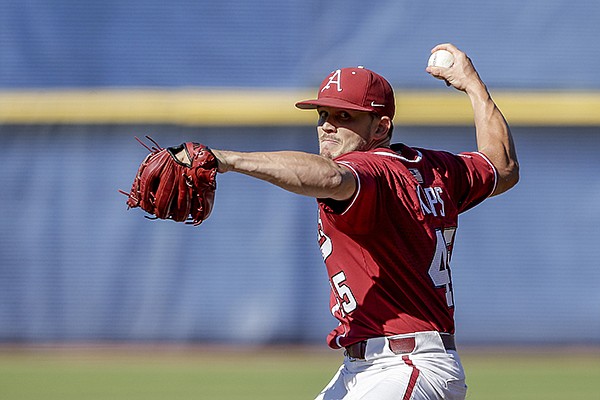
(388, 216)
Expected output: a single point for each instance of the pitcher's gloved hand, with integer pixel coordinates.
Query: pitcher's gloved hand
(177, 183)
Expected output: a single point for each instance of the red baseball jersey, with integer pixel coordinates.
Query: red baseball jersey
(388, 248)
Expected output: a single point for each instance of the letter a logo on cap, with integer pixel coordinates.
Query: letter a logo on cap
(334, 79)
(364, 90)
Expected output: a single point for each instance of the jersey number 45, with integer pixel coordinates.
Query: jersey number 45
(439, 270)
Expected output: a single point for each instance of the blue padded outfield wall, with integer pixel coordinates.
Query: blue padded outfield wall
(76, 265)
(541, 44)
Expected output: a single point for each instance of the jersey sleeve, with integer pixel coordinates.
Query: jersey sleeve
(479, 179)
(358, 214)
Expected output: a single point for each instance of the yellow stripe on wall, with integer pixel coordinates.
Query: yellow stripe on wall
(223, 107)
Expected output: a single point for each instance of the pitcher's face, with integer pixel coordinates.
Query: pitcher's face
(341, 131)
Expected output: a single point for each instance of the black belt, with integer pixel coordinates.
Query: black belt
(403, 345)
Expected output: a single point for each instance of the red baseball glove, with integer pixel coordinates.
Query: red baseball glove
(172, 189)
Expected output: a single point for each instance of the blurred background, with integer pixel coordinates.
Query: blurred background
(79, 79)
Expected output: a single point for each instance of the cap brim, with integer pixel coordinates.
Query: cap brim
(330, 102)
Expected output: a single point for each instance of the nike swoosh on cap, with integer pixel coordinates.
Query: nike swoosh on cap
(373, 104)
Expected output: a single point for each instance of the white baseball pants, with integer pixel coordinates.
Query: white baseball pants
(429, 372)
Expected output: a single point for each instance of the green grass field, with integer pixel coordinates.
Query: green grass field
(149, 373)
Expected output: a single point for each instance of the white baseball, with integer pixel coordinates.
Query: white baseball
(441, 58)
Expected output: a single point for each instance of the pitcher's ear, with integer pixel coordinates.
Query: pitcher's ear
(384, 128)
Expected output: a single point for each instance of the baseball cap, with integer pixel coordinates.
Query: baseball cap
(357, 89)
